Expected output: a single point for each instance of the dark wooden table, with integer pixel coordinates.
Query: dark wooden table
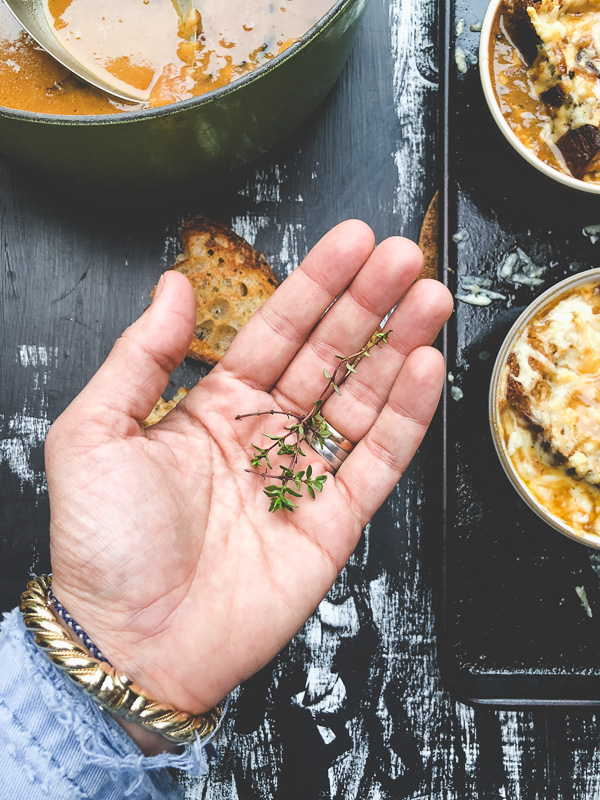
(355, 707)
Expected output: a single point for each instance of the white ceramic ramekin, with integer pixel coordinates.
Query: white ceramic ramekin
(497, 389)
(490, 96)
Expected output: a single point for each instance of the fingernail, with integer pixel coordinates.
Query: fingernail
(159, 287)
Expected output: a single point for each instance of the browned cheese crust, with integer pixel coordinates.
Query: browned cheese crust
(514, 390)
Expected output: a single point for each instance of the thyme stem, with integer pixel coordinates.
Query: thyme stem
(280, 495)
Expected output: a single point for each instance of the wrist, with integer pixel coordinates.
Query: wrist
(136, 656)
(114, 691)
(150, 743)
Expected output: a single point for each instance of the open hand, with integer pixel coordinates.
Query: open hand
(163, 548)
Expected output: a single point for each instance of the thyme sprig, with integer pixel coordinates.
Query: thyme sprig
(289, 480)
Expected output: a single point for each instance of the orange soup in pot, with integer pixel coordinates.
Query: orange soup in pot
(145, 45)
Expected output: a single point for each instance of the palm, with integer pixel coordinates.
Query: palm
(171, 537)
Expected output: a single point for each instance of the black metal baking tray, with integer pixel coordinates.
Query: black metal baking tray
(515, 630)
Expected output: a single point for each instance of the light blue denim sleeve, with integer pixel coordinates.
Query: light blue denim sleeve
(56, 743)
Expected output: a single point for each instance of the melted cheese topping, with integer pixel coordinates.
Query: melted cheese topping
(569, 54)
(575, 502)
(551, 418)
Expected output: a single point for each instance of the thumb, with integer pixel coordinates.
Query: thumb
(136, 372)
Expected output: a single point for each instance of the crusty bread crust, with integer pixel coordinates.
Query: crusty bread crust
(231, 281)
(521, 30)
(162, 408)
(514, 390)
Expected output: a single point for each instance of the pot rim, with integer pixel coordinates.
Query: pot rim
(499, 119)
(120, 117)
(496, 385)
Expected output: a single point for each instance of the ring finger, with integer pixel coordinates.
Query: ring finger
(415, 323)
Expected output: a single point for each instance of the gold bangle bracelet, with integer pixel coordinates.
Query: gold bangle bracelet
(112, 690)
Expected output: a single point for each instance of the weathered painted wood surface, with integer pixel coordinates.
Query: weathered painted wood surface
(355, 706)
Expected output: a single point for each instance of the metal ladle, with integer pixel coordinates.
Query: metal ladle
(32, 16)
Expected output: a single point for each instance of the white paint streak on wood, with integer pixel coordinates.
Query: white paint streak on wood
(171, 249)
(346, 773)
(516, 730)
(327, 734)
(342, 616)
(325, 691)
(291, 237)
(465, 716)
(24, 432)
(249, 227)
(586, 764)
(293, 246)
(32, 355)
(265, 185)
(412, 90)
(21, 435)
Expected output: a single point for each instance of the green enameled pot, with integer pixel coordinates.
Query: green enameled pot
(195, 138)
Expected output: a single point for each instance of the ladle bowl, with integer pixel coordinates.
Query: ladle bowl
(32, 15)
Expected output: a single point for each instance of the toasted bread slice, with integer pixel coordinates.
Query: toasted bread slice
(520, 28)
(515, 394)
(162, 408)
(579, 147)
(231, 281)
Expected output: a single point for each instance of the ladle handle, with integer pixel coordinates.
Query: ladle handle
(184, 8)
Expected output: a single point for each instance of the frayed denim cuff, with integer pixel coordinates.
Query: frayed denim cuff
(55, 742)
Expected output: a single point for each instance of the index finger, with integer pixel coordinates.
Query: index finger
(261, 352)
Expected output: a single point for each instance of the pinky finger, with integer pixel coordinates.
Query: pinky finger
(378, 461)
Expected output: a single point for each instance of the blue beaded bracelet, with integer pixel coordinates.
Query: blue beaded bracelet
(75, 627)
